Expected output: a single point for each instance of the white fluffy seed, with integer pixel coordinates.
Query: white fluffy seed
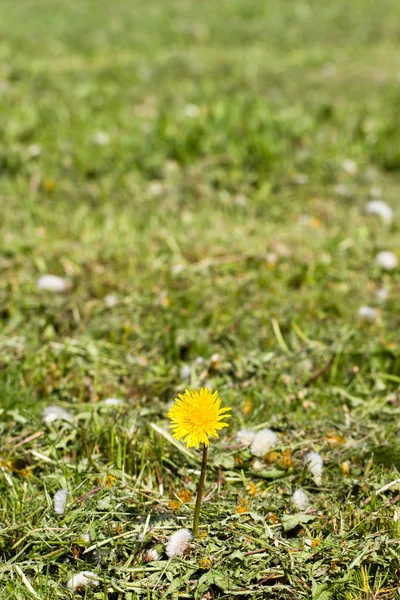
(185, 372)
(382, 294)
(110, 300)
(113, 402)
(55, 413)
(380, 208)
(151, 555)
(178, 543)
(367, 312)
(387, 260)
(82, 579)
(315, 464)
(300, 499)
(52, 283)
(101, 138)
(349, 166)
(263, 442)
(245, 437)
(60, 501)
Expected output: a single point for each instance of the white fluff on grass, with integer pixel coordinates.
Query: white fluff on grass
(315, 464)
(52, 283)
(55, 413)
(367, 312)
(382, 294)
(386, 260)
(110, 300)
(186, 371)
(300, 500)
(178, 543)
(380, 208)
(101, 138)
(263, 441)
(349, 166)
(245, 436)
(113, 402)
(60, 501)
(151, 555)
(258, 465)
(82, 579)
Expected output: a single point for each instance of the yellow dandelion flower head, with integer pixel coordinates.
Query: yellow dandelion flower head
(196, 416)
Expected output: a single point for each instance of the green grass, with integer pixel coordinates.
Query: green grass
(229, 123)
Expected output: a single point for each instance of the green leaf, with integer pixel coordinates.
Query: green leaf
(291, 521)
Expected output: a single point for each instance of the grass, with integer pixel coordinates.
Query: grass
(224, 219)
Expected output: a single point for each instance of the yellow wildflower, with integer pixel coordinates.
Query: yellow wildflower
(196, 416)
(205, 563)
(185, 496)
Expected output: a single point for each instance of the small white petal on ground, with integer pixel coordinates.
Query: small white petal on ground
(110, 300)
(185, 372)
(300, 499)
(151, 555)
(55, 413)
(82, 579)
(245, 436)
(380, 208)
(387, 260)
(367, 312)
(263, 441)
(101, 138)
(178, 543)
(52, 283)
(60, 501)
(315, 464)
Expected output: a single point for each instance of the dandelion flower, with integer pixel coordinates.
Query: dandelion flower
(52, 283)
(197, 416)
(263, 441)
(314, 462)
(60, 501)
(82, 579)
(151, 555)
(178, 543)
(54, 413)
(245, 436)
(386, 260)
(300, 500)
(380, 208)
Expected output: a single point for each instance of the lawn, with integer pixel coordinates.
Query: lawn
(199, 175)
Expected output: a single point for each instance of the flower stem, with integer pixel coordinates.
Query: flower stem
(200, 492)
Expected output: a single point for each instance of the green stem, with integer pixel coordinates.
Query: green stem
(200, 492)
